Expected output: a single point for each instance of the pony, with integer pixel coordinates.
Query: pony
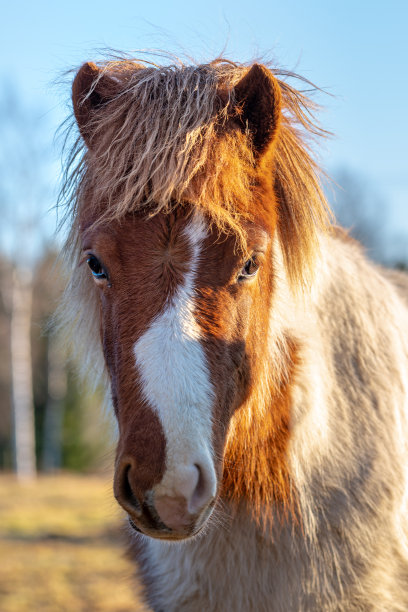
(256, 360)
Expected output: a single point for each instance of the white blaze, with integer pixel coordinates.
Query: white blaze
(175, 378)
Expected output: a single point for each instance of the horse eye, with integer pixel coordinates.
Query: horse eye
(249, 269)
(96, 267)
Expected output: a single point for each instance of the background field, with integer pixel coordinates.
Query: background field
(61, 547)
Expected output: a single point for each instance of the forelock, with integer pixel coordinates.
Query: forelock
(164, 139)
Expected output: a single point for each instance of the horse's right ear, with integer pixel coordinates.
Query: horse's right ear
(91, 90)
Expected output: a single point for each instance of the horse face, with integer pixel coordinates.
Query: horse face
(184, 320)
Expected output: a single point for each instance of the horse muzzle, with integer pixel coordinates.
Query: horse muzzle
(175, 509)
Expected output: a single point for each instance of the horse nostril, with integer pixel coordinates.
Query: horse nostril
(124, 492)
(128, 492)
(201, 485)
(203, 491)
(191, 496)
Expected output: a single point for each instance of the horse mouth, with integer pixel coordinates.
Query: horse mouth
(160, 531)
(134, 526)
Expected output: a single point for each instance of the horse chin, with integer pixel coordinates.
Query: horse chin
(163, 532)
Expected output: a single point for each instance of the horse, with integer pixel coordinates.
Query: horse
(256, 360)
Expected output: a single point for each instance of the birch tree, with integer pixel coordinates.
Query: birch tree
(24, 198)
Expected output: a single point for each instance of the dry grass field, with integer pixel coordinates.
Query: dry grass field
(61, 547)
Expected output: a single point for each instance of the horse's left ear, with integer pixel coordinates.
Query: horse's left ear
(258, 102)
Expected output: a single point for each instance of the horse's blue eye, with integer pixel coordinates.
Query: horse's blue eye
(96, 267)
(250, 268)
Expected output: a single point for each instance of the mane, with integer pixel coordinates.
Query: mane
(163, 141)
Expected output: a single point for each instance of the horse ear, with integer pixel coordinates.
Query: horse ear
(258, 102)
(91, 89)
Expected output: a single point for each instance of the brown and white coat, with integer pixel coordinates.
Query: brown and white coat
(257, 362)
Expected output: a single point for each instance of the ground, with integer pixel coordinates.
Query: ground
(61, 547)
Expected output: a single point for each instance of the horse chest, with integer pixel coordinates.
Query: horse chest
(238, 568)
(233, 568)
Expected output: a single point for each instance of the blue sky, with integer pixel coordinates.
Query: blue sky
(357, 50)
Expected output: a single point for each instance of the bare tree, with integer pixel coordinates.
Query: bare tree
(359, 209)
(24, 197)
(22, 388)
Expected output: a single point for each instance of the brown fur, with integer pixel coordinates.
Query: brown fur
(150, 253)
(258, 423)
(255, 458)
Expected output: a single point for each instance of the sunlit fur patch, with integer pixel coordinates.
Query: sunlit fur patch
(255, 461)
(175, 376)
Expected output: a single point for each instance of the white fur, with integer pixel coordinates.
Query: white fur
(176, 380)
